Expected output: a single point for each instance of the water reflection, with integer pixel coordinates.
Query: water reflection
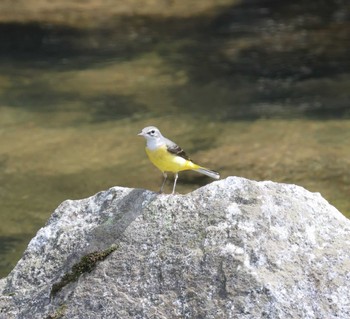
(256, 89)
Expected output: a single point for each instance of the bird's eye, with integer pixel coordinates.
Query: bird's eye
(153, 131)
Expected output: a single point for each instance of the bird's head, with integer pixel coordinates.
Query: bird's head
(150, 133)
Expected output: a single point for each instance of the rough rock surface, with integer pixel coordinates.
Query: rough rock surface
(233, 249)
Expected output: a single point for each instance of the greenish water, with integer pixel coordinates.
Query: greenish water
(253, 90)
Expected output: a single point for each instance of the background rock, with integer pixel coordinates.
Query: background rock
(235, 248)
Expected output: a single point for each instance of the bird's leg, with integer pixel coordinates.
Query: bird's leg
(165, 177)
(176, 175)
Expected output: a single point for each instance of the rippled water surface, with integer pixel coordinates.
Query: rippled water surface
(258, 89)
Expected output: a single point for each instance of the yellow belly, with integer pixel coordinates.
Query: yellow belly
(168, 162)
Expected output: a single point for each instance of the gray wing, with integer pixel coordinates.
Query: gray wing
(176, 149)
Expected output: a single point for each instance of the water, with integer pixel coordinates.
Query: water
(257, 89)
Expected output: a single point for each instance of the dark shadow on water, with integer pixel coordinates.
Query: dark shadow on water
(41, 45)
(288, 66)
(11, 246)
(113, 106)
(57, 46)
(39, 96)
(36, 96)
(251, 60)
(8, 243)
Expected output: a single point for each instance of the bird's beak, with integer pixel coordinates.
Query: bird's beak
(140, 134)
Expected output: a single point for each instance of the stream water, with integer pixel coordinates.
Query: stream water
(258, 89)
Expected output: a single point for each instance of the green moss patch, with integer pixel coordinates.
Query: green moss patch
(86, 264)
(58, 314)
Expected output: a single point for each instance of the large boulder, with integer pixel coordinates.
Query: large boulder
(232, 249)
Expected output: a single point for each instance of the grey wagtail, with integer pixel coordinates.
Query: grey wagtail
(169, 157)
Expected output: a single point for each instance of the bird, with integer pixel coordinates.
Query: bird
(167, 156)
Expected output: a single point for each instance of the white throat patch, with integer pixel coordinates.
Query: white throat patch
(154, 143)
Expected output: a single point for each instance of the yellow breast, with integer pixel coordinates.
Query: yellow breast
(168, 162)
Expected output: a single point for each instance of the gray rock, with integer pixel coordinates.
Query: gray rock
(232, 249)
